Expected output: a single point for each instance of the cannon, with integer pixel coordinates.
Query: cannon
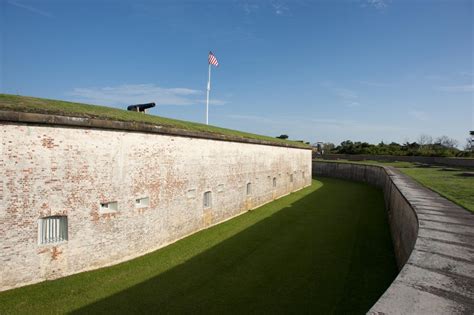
(140, 107)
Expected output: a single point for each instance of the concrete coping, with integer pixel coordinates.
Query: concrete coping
(85, 122)
(437, 277)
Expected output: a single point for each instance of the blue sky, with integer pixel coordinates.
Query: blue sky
(315, 70)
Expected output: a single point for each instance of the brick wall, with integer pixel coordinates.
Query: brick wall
(51, 170)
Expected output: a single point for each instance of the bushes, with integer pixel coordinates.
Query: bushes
(425, 146)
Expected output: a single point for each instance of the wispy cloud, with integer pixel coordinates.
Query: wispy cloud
(466, 74)
(378, 4)
(419, 115)
(280, 8)
(457, 88)
(250, 8)
(375, 84)
(30, 8)
(254, 118)
(435, 77)
(140, 93)
(353, 104)
(354, 126)
(344, 93)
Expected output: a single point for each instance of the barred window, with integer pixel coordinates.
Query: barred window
(52, 229)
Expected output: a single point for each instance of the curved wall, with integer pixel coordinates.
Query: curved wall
(454, 161)
(50, 170)
(433, 242)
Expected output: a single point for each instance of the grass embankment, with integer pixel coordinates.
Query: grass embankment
(55, 107)
(447, 181)
(324, 249)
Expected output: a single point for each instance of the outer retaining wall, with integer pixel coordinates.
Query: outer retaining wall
(433, 242)
(50, 168)
(459, 162)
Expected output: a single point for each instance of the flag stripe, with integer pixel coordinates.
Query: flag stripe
(213, 60)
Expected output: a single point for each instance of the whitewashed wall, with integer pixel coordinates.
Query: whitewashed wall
(47, 170)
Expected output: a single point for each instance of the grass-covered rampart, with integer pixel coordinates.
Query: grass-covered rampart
(62, 108)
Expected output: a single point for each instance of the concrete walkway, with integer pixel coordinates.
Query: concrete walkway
(438, 277)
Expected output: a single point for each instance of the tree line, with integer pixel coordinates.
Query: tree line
(424, 146)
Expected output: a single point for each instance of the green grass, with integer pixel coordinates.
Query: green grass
(323, 249)
(55, 107)
(448, 183)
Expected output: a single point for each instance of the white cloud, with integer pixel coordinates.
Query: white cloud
(353, 104)
(457, 88)
(419, 115)
(466, 74)
(378, 4)
(253, 118)
(250, 8)
(280, 8)
(375, 84)
(141, 93)
(30, 8)
(354, 126)
(344, 93)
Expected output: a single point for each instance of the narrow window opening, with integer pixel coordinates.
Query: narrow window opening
(142, 202)
(291, 178)
(207, 199)
(191, 194)
(52, 230)
(249, 189)
(274, 182)
(107, 207)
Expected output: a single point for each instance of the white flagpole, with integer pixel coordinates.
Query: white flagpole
(208, 90)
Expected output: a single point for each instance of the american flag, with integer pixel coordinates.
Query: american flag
(213, 60)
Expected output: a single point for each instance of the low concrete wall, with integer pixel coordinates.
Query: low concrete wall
(459, 162)
(433, 242)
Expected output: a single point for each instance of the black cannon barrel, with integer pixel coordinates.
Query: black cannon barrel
(140, 107)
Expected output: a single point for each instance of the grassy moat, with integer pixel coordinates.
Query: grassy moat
(324, 249)
(449, 182)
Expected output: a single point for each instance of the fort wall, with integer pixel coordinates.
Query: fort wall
(124, 193)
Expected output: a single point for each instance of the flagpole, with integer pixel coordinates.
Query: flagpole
(208, 90)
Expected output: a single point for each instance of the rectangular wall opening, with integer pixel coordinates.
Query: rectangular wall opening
(52, 230)
(207, 199)
(107, 207)
(142, 202)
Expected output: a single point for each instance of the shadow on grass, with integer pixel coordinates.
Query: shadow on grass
(327, 252)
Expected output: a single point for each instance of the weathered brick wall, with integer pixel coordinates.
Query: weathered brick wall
(47, 170)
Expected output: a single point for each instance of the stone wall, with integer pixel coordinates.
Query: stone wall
(459, 162)
(49, 170)
(433, 241)
(402, 218)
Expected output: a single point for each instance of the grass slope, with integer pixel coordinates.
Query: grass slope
(54, 107)
(324, 249)
(446, 181)
(450, 184)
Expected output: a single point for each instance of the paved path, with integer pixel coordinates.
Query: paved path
(439, 275)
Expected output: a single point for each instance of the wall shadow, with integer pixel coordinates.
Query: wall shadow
(329, 252)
